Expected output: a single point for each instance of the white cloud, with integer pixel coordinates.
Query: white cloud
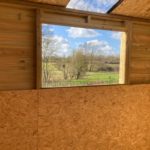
(116, 35)
(58, 45)
(82, 33)
(107, 2)
(83, 5)
(47, 29)
(63, 45)
(98, 47)
(91, 5)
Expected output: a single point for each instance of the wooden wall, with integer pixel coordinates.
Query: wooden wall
(92, 118)
(140, 54)
(52, 2)
(133, 8)
(20, 66)
(85, 118)
(17, 48)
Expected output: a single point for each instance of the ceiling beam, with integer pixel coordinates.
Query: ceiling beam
(51, 2)
(114, 6)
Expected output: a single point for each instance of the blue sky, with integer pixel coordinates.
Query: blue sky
(101, 6)
(71, 38)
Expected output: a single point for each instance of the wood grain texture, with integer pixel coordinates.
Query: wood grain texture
(38, 50)
(18, 120)
(123, 58)
(19, 68)
(140, 55)
(96, 118)
(80, 20)
(134, 8)
(17, 48)
(52, 2)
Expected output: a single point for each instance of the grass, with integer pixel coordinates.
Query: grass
(102, 76)
(91, 78)
(98, 77)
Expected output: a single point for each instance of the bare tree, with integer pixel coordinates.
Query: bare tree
(90, 52)
(79, 64)
(49, 48)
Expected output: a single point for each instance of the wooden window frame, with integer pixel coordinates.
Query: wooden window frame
(84, 21)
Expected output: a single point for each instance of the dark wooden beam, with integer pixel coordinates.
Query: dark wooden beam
(114, 6)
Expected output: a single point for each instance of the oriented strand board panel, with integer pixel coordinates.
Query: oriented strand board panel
(140, 54)
(18, 120)
(95, 118)
(52, 2)
(91, 118)
(17, 48)
(135, 8)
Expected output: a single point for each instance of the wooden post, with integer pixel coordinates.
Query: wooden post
(129, 26)
(38, 50)
(123, 47)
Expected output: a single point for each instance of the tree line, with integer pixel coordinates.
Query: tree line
(76, 65)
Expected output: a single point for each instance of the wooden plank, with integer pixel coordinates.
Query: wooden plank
(15, 51)
(145, 29)
(123, 59)
(140, 52)
(140, 55)
(128, 51)
(81, 21)
(17, 48)
(137, 38)
(38, 50)
(140, 66)
(139, 78)
(134, 8)
(52, 2)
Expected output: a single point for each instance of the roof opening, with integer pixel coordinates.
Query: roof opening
(98, 6)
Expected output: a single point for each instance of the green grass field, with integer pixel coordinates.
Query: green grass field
(91, 78)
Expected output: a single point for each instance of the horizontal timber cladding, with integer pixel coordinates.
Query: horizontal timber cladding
(52, 2)
(20, 41)
(140, 54)
(82, 21)
(17, 48)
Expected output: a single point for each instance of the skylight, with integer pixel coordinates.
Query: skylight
(99, 6)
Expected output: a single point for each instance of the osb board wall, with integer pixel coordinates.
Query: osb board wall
(135, 8)
(17, 48)
(18, 120)
(140, 54)
(92, 118)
